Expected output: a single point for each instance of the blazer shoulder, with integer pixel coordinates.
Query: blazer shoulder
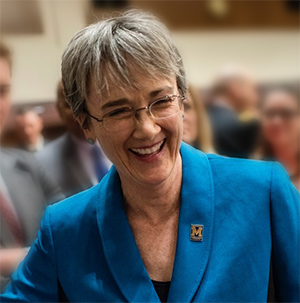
(236, 162)
(74, 209)
(241, 170)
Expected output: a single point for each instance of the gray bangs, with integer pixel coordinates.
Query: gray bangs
(114, 52)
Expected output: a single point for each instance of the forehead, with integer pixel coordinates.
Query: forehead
(144, 86)
(28, 117)
(280, 99)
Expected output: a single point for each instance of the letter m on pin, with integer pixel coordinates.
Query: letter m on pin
(196, 232)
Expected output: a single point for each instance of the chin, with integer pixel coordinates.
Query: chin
(153, 176)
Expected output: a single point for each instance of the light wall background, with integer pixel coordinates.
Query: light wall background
(269, 55)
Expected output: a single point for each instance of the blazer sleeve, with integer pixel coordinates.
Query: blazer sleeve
(35, 280)
(285, 212)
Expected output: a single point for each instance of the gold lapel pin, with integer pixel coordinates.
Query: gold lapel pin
(196, 232)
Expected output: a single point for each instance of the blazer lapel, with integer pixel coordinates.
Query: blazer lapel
(119, 245)
(197, 207)
(121, 251)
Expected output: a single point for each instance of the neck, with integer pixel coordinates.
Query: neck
(34, 144)
(155, 203)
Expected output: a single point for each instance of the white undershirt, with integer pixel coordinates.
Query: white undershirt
(38, 146)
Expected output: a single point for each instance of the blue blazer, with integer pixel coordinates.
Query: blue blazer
(249, 211)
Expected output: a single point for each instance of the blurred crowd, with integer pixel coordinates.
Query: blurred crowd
(235, 117)
(238, 118)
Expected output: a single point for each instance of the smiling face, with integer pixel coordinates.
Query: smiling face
(66, 114)
(148, 151)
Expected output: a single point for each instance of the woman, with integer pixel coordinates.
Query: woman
(167, 223)
(281, 130)
(196, 128)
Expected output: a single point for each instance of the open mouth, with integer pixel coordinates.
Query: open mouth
(149, 151)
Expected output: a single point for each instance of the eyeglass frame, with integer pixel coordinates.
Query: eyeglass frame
(284, 115)
(135, 111)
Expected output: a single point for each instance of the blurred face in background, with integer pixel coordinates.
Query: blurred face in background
(190, 123)
(29, 127)
(66, 114)
(5, 95)
(280, 119)
(244, 93)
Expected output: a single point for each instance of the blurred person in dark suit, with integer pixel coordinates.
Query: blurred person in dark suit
(28, 128)
(74, 163)
(25, 189)
(233, 113)
(280, 117)
(196, 126)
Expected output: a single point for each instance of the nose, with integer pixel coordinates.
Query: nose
(145, 126)
(277, 120)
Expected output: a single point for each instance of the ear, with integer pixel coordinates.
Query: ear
(86, 126)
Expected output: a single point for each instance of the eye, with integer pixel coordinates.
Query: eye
(164, 102)
(287, 113)
(120, 113)
(4, 90)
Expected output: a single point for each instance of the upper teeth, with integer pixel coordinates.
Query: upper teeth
(148, 151)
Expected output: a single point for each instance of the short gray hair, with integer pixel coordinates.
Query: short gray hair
(104, 51)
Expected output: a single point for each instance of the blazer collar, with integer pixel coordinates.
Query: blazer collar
(121, 251)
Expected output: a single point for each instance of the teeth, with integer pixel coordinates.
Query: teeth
(148, 151)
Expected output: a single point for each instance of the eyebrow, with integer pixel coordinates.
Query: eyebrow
(5, 86)
(123, 101)
(115, 103)
(154, 93)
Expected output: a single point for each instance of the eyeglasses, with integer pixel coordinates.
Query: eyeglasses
(121, 118)
(284, 114)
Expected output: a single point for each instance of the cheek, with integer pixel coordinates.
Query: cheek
(171, 125)
(173, 129)
(4, 106)
(112, 145)
(296, 123)
(269, 125)
(293, 128)
(177, 127)
(281, 131)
